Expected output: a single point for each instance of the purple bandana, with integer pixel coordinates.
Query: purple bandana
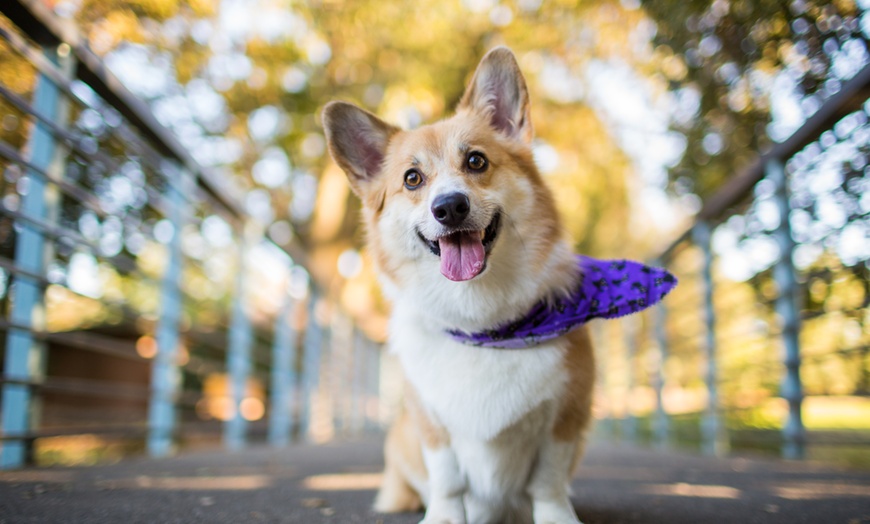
(608, 289)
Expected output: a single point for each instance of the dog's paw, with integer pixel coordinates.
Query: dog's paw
(557, 519)
(555, 514)
(437, 519)
(452, 515)
(445, 510)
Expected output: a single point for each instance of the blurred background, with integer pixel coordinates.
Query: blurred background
(181, 264)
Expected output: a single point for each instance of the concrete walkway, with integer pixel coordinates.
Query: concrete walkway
(335, 484)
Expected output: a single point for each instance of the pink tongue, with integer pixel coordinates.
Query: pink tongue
(462, 256)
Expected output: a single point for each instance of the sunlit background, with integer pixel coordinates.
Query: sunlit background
(642, 111)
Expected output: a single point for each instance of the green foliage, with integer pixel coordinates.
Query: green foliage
(731, 52)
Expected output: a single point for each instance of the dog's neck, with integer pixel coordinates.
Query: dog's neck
(507, 290)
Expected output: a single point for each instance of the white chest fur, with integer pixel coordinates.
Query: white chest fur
(475, 392)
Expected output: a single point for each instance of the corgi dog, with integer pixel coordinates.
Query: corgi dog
(466, 237)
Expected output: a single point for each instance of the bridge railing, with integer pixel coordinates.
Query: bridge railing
(142, 305)
(765, 344)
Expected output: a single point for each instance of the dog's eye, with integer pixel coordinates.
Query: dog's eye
(413, 179)
(476, 161)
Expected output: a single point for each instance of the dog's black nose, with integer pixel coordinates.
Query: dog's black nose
(451, 209)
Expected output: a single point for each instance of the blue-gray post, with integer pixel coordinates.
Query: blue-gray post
(283, 375)
(25, 356)
(334, 362)
(239, 350)
(602, 361)
(629, 328)
(661, 422)
(310, 364)
(342, 371)
(713, 441)
(324, 392)
(358, 390)
(165, 375)
(788, 310)
(374, 380)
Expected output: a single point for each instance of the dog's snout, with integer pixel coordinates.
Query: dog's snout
(451, 209)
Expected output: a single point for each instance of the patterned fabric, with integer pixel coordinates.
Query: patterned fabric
(607, 289)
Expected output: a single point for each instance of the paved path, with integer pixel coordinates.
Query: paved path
(335, 484)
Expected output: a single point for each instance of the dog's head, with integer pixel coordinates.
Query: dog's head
(460, 198)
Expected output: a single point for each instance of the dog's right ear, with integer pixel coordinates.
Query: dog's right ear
(498, 90)
(357, 141)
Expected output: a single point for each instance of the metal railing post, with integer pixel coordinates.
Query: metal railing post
(342, 357)
(713, 441)
(25, 355)
(165, 375)
(310, 365)
(661, 422)
(283, 375)
(323, 418)
(603, 379)
(629, 423)
(788, 310)
(373, 382)
(239, 351)
(358, 388)
(334, 367)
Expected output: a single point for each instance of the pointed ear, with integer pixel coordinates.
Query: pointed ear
(357, 141)
(499, 91)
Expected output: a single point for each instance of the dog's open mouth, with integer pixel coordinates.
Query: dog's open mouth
(463, 253)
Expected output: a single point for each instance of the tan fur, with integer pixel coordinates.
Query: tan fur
(403, 457)
(575, 412)
(409, 433)
(576, 407)
(383, 263)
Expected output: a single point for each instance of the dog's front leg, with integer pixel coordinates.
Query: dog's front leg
(446, 484)
(548, 486)
(446, 487)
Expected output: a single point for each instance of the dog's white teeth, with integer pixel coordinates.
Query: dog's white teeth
(482, 233)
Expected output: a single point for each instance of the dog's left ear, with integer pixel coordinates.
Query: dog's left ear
(499, 91)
